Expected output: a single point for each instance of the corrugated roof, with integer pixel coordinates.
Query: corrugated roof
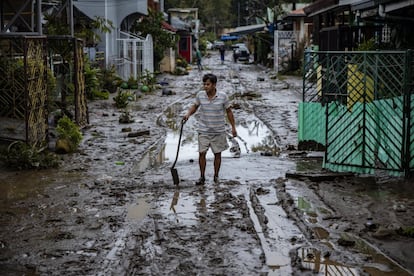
(248, 29)
(168, 27)
(319, 5)
(326, 5)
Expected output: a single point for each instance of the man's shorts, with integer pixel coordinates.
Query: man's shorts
(217, 142)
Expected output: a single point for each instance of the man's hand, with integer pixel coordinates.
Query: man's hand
(234, 132)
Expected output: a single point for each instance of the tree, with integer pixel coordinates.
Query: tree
(56, 25)
(87, 28)
(214, 14)
(152, 24)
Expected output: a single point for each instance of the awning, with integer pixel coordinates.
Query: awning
(243, 30)
(322, 6)
(229, 37)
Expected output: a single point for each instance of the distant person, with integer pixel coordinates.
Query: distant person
(213, 106)
(222, 50)
(198, 58)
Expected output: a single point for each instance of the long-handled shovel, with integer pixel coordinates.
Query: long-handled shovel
(174, 172)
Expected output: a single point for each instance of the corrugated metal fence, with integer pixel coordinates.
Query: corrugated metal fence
(358, 106)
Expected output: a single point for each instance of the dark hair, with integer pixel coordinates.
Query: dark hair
(211, 77)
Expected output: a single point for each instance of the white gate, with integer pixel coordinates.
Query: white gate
(136, 56)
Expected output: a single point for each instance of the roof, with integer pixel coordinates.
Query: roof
(322, 6)
(179, 24)
(243, 30)
(295, 13)
(319, 5)
(168, 27)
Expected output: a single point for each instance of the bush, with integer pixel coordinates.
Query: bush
(110, 80)
(148, 80)
(102, 95)
(69, 131)
(181, 62)
(121, 100)
(21, 156)
(132, 83)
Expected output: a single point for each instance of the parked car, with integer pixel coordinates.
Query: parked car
(240, 52)
(217, 44)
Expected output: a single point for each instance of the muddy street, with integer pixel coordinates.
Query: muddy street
(112, 207)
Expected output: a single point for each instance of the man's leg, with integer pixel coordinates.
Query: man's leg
(202, 163)
(217, 164)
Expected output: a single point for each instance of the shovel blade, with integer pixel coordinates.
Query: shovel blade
(175, 177)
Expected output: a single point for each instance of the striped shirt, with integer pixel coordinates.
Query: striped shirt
(212, 118)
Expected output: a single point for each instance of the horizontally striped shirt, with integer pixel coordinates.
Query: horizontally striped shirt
(212, 119)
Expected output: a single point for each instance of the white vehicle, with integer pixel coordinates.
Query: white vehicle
(209, 45)
(240, 52)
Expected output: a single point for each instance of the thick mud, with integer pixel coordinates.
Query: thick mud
(112, 208)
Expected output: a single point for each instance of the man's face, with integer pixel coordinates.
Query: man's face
(209, 86)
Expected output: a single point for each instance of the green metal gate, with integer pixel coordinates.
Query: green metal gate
(358, 105)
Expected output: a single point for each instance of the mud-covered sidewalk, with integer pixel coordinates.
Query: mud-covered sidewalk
(112, 208)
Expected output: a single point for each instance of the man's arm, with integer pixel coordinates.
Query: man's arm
(230, 116)
(190, 112)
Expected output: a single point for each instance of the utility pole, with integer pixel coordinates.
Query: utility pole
(39, 18)
(72, 30)
(275, 42)
(238, 13)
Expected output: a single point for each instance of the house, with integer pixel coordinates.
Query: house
(186, 22)
(22, 38)
(168, 63)
(346, 24)
(301, 25)
(130, 53)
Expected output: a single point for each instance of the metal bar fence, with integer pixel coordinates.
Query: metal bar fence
(365, 106)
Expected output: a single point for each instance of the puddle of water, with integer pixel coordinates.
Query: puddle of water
(138, 210)
(277, 258)
(143, 164)
(171, 113)
(276, 261)
(308, 165)
(309, 213)
(252, 137)
(184, 208)
(313, 261)
(321, 233)
(149, 160)
(380, 264)
(23, 184)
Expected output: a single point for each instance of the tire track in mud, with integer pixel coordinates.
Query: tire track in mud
(191, 242)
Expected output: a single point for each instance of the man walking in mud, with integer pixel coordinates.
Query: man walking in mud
(212, 106)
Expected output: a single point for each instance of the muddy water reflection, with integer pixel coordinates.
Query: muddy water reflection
(138, 210)
(313, 261)
(181, 207)
(253, 136)
(23, 184)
